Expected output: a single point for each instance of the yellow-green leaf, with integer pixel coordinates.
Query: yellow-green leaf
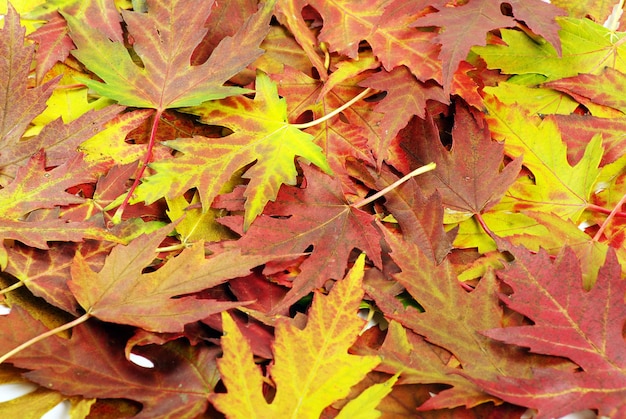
(558, 187)
(262, 135)
(312, 367)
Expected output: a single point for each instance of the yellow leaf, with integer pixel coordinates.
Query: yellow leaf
(312, 367)
(364, 405)
(558, 187)
(196, 224)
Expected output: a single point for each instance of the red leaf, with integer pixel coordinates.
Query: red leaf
(92, 364)
(20, 104)
(466, 26)
(469, 176)
(584, 326)
(54, 45)
(334, 228)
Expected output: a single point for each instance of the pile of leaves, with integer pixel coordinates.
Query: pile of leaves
(228, 189)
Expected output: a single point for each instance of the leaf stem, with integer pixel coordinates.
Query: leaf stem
(51, 332)
(603, 210)
(609, 218)
(12, 287)
(418, 171)
(117, 217)
(333, 113)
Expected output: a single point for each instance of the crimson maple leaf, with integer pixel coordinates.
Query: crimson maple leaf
(469, 176)
(419, 217)
(177, 386)
(584, 326)
(316, 215)
(452, 319)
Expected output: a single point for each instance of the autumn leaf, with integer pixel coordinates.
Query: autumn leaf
(584, 326)
(20, 104)
(606, 88)
(452, 319)
(121, 293)
(312, 367)
(587, 47)
(33, 189)
(288, 229)
(165, 47)
(261, 134)
(468, 182)
(177, 388)
(406, 96)
(478, 17)
(339, 138)
(419, 217)
(558, 187)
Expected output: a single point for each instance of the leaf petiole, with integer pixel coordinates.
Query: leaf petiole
(117, 217)
(335, 112)
(418, 171)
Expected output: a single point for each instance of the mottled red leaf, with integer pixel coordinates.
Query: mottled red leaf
(54, 45)
(332, 227)
(19, 103)
(469, 177)
(92, 364)
(584, 326)
(466, 26)
(419, 217)
(405, 97)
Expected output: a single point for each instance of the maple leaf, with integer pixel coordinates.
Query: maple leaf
(419, 217)
(120, 292)
(587, 48)
(164, 39)
(175, 388)
(384, 25)
(261, 135)
(584, 326)
(290, 227)
(35, 188)
(469, 176)
(337, 138)
(479, 17)
(453, 319)
(20, 104)
(406, 96)
(54, 45)
(558, 187)
(606, 88)
(312, 367)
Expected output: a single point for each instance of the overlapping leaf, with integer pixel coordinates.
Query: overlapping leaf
(164, 40)
(477, 17)
(262, 135)
(469, 181)
(453, 319)
(290, 227)
(177, 388)
(312, 367)
(120, 292)
(558, 187)
(585, 327)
